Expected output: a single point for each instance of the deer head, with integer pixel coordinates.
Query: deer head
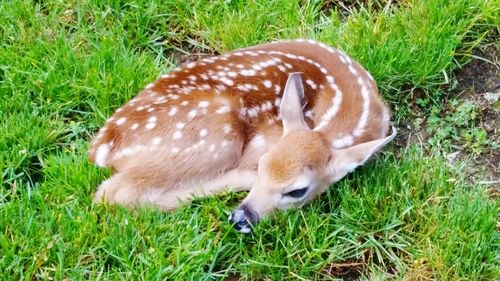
(300, 166)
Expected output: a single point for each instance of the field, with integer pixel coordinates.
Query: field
(424, 209)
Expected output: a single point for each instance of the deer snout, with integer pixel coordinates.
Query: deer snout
(243, 218)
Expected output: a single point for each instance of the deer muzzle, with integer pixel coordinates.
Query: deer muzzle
(243, 218)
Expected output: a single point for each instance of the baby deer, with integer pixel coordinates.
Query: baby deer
(283, 120)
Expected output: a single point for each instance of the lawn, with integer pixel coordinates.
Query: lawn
(409, 214)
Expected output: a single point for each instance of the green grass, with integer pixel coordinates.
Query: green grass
(66, 65)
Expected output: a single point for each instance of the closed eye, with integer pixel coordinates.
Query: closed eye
(296, 193)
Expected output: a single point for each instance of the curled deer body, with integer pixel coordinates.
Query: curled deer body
(283, 120)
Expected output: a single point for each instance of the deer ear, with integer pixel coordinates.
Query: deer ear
(291, 104)
(346, 160)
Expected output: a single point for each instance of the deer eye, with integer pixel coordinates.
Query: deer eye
(296, 193)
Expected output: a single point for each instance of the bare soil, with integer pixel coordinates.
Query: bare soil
(479, 83)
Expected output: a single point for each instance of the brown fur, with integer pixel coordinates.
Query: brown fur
(296, 151)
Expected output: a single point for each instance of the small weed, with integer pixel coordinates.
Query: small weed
(456, 127)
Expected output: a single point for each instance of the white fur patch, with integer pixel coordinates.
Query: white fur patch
(101, 155)
(258, 141)
(156, 141)
(177, 135)
(223, 109)
(203, 103)
(192, 113)
(121, 121)
(311, 84)
(342, 142)
(366, 112)
(172, 111)
(332, 111)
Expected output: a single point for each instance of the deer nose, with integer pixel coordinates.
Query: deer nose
(243, 218)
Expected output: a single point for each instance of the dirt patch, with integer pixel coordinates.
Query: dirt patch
(349, 270)
(479, 82)
(480, 75)
(186, 52)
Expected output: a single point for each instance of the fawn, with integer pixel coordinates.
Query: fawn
(283, 120)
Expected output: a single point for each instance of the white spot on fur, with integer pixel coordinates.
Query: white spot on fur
(252, 112)
(180, 125)
(332, 111)
(227, 128)
(242, 88)
(150, 126)
(173, 111)
(156, 141)
(192, 114)
(342, 142)
(101, 154)
(353, 70)
(366, 112)
(277, 89)
(311, 84)
(203, 103)
(251, 86)
(267, 84)
(152, 119)
(121, 121)
(223, 109)
(257, 67)
(177, 135)
(258, 140)
(203, 133)
(248, 72)
(135, 126)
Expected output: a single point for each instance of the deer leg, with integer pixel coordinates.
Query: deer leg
(234, 180)
(119, 189)
(170, 198)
